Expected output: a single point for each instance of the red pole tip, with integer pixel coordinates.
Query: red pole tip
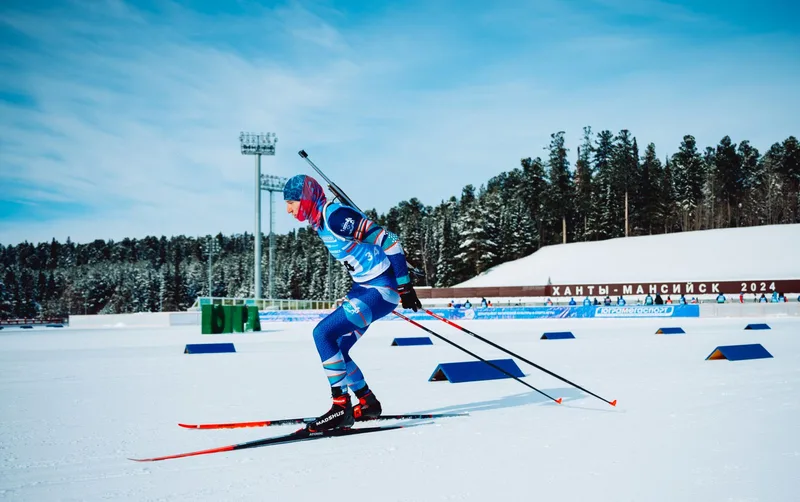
(558, 400)
(613, 403)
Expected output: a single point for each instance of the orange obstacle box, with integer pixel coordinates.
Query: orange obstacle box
(670, 331)
(739, 352)
(473, 371)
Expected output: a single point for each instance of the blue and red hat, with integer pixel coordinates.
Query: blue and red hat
(311, 196)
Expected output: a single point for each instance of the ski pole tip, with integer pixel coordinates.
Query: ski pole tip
(559, 400)
(613, 403)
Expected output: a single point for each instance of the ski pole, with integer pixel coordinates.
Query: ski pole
(476, 356)
(465, 330)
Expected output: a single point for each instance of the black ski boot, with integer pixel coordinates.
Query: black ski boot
(368, 406)
(340, 416)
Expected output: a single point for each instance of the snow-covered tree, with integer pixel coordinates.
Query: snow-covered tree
(561, 190)
(604, 219)
(651, 173)
(446, 261)
(583, 186)
(688, 175)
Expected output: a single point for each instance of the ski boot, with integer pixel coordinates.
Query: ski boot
(340, 416)
(368, 407)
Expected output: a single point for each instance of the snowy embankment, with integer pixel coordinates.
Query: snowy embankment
(752, 253)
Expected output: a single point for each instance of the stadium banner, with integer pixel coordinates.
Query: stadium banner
(689, 288)
(293, 315)
(647, 311)
(495, 313)
(673, 288)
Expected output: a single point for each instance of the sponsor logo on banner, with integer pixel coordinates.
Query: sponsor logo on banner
(636, 311)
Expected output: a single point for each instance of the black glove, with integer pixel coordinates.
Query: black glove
(408, 297)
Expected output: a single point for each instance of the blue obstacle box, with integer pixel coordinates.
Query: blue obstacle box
(757, 326)
(54, 325)
(413, 340)
(739, 352)
(473, 371)
(558, 335)
(26, 326)
(670, 331)
(208, 348)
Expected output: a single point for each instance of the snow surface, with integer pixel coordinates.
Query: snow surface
(76, 403)
(752, 253)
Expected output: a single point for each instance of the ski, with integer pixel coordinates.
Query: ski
(305, 420)
(294, 437)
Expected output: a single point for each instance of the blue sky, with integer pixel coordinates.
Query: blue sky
(121, 119)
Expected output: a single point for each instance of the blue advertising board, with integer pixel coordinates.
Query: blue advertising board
(647, 311)
(574, 312)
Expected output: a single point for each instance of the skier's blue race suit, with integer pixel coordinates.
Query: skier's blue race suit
(376, 262)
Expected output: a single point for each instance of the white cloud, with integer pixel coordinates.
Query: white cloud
(138, 120)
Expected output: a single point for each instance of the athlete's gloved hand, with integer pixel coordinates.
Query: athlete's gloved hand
(408, 297)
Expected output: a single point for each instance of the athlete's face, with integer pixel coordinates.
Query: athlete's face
(293, 207)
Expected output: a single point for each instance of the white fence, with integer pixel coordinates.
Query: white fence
(138, 320)
(264, 304)
(790, 309)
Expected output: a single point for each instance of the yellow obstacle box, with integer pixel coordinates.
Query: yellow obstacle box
(218, 319)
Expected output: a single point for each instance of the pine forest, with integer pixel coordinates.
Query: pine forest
(511, 216)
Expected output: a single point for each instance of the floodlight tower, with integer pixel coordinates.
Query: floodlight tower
(258, 145)
(212, 247)
(272, 184)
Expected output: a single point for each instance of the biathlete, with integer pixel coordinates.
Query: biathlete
(377, 264)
